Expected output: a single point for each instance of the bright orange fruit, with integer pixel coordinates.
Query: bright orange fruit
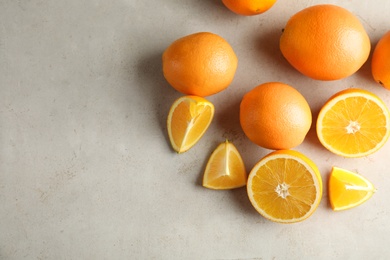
(248, 7)
(380, 64)
(325, 42)
(353, 123)
(276, 116)
(348, 189)
(199, 64)
(225, 168)
(188, 119)
(285, 186)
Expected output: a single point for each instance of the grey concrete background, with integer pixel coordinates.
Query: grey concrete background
(87, 172)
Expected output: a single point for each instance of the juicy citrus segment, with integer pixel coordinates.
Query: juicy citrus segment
(353, 123)
(285, 186)
(248, 7)
(348, 189)
(188, 119)
(225, 168)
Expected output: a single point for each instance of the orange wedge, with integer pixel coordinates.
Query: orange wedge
(348, 189)
(285, 186)
(353, 123)
(225, 168)
(188, 119)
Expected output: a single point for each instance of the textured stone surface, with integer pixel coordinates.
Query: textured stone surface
(87, 172)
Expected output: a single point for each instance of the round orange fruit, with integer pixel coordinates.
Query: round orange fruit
(276, 116)
(248, 7)
(325, 42)
(199, 64)
(380, 64)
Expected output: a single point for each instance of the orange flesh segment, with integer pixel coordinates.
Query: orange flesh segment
(225, 168)
(348, 189)
(188, 120)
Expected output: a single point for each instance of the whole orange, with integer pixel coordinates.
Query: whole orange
(248, 7)
(325, 42)
(199, 64)
(275, 115)
(380, 64)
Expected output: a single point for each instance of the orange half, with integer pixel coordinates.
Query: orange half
(285, 186)
(353, 123)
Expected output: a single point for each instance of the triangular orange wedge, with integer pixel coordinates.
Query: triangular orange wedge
(348, 189)
(285, 186)
(353, 123)
(225, 168)
(188, 119)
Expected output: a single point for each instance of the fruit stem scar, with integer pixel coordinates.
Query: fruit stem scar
(353, 127)
(282, 190)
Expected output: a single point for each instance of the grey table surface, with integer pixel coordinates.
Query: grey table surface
(86, 169)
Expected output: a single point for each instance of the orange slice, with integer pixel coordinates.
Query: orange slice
(348, 189)
(285, 186)
(353, 123)
(188, 119)
(225, 168)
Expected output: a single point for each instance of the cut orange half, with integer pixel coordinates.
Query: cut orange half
(348, 189)
(353, 123)
(285, 186)
(188, 119)
(225, 168)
